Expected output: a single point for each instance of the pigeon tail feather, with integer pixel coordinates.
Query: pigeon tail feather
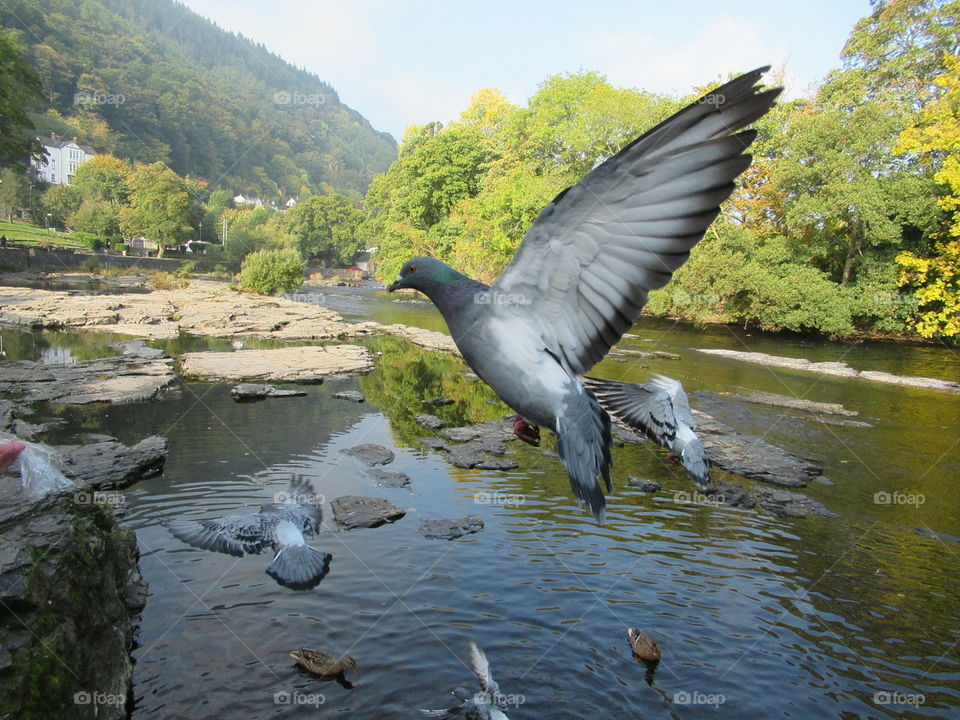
(299, 567)
(583, 442)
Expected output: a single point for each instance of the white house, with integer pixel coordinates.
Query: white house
(242, 199)
(61, 160)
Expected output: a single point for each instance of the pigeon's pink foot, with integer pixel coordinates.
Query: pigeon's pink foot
(525, 431)
(673, 458)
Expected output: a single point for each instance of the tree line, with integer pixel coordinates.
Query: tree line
(845, 224)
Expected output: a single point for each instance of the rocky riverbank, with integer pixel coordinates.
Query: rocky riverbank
(70, 587)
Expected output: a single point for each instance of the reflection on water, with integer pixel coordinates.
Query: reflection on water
(756, 616)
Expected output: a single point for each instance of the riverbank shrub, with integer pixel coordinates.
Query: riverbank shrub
(272, 271)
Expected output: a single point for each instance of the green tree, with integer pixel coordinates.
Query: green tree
(59, 202)
(98, 217)
(103, 177)
(160, 207)
(19, 89)
(325, 226)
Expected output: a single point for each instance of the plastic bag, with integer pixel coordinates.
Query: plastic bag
(41, 469)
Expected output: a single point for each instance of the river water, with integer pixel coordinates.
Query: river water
(758, 617)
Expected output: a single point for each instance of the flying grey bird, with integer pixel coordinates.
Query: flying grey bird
(484, 705)
(585, 266)
(281, 526)
(661, 410)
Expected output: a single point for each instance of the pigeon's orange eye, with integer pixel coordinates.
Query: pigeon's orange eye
(412, 268)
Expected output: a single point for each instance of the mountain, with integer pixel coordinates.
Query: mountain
(151, 80)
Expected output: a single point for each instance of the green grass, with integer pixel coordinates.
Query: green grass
(25, 234)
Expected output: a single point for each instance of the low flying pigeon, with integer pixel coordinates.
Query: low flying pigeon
(661, 410)
(585, 266)
(280, 526)
(484, 705)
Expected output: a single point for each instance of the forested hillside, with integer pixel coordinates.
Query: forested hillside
(149, 80)
(845, 224)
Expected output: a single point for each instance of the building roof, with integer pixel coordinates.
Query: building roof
(57, 142)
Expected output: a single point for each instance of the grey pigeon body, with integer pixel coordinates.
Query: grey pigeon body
(283, 527)
(486, 704)
(661, 410)
(584, 268)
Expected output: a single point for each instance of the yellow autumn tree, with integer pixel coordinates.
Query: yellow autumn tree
(936, 280)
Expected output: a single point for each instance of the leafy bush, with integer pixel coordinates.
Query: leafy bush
(271, 271)
(187, 268)
(91, 241)
(165, 281)
(91, 265)
(121, 247)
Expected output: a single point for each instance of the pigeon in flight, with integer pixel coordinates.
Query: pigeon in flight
(661, 410)
(584, 268)
(484, 705)
(281, 526)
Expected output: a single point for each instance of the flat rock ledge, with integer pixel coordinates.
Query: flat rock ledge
(371, 454)
(261, 391)
(309, 364)
(70, 586)
(838, 369)
(386, 478)
(782, 503)
(355, 511)
(451, 529)
(751, 457)
(137, 374)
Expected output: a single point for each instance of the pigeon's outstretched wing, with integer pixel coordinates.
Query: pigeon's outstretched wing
(678, 396)
(234, 535)
(585, 267)
(481, 668)
(299, 504)
(644, 407)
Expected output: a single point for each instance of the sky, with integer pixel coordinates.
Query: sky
(405, 62)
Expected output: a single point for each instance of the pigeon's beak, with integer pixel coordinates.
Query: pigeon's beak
(395, 284)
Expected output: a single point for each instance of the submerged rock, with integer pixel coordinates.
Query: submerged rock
(430, 422)
(355, 511)
(785, 401)
(790, 504)
(451, 529)
(257, 391)
(351, 395)
(371, 454)
(385, 478)
(642, 484)
(471, 446)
